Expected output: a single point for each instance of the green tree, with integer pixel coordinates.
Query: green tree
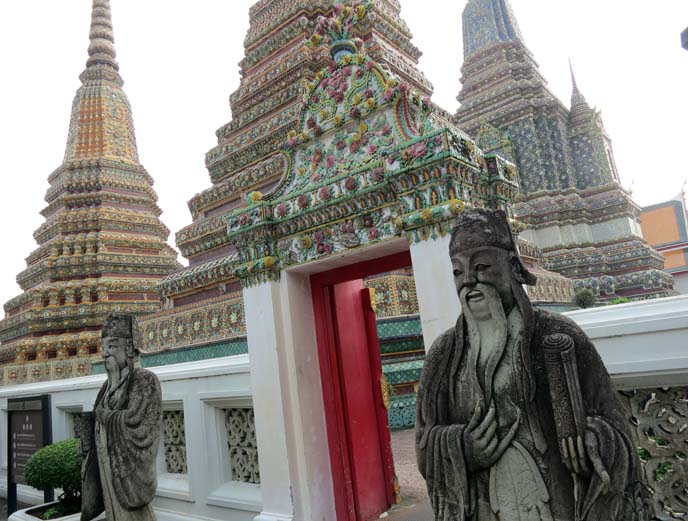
(584, 298)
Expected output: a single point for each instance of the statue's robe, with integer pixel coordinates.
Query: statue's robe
(119, 472)
(528, 482)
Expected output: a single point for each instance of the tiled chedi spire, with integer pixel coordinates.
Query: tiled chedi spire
(576, 212)
(102, 246)
(506, 104)
(266, 106)
(502, 89)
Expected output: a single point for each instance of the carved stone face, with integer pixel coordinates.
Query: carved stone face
(115, 352)
(483, 265)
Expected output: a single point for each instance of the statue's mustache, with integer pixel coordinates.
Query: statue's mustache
(477, 290)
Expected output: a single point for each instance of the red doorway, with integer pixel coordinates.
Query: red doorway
(351, 372)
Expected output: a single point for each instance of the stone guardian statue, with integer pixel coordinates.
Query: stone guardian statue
(517, 418)
(121, 440)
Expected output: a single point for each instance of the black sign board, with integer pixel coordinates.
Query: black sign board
(29, 429)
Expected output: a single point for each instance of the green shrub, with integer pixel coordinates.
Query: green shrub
(57, 466)
(621, 300)
(584, 298)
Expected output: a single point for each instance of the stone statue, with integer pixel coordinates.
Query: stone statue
(121, 442)
(517, 418)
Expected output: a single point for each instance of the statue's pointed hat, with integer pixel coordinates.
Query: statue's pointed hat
(123, 325)
(481, 227)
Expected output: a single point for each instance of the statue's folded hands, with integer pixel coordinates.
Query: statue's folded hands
(481, 444)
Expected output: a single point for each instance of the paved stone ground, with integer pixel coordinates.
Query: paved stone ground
(415, 505)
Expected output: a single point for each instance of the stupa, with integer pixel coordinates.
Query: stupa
(102, 247)
(575, 210)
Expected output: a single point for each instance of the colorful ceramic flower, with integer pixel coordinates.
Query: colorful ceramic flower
(378, 174)
(302, 201)
(306, 242)
(324, 193)
(255, 196)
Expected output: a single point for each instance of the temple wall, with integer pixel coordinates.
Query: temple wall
(207, 461)
(642, 344)
(437, 301)
(681, 283)
(556, 235)
(615, 229)
(581, 233)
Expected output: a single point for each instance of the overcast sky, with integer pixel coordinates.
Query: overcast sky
(179, 63)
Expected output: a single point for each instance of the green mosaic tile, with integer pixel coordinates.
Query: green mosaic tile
(399, 327)
(403, 346)
(189, 354)
(403, 372)
(402, 411)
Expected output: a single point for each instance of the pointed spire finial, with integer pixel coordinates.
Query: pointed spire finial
(573, 79)
(576, 97)
(101, 49)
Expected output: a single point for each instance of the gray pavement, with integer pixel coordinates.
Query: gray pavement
(415, 505)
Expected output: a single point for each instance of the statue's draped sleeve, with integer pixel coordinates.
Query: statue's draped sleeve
(439, 444)
(92, 504)
(133, 438)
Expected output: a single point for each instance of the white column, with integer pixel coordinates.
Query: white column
(438, 303)
(303, 402)
(263, 331)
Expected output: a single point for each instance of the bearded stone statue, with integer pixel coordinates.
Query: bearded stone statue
(517, 418)
(121, 443)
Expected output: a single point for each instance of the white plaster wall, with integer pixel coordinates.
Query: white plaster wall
(265, 336)
(568, 234)
(305, 410)
(583, 233)
(643, 344)
(438, 302)
(528, 235)
(614, 229)
(203, 388)
(547, 237)
(681, 283)
(559, 235)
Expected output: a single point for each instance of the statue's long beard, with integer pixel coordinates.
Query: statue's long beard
(113, 372)
(487, 337)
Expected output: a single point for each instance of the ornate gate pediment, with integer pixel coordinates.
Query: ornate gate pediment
(368, 163)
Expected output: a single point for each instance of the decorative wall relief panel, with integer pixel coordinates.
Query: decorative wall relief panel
(662, 423)
(395, 294)
(218, 319)
(174, 439)
(78, 424)
(242, 446)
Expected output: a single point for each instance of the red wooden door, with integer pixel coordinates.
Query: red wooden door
(371, 467)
